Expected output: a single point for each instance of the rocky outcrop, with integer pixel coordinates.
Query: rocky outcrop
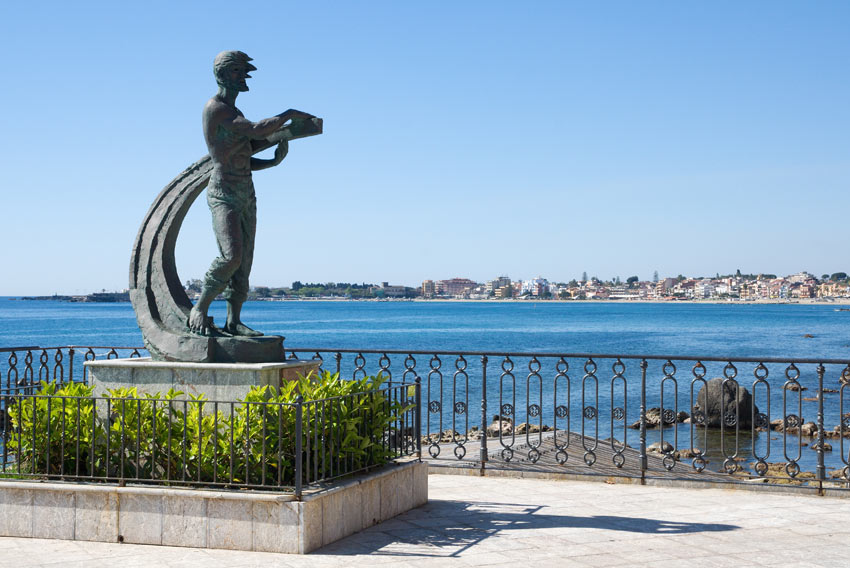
(501, 424)
(736, 405)
(655, 417)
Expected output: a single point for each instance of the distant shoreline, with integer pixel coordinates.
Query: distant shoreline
(804, 301)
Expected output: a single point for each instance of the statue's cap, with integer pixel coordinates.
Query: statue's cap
(225, 58)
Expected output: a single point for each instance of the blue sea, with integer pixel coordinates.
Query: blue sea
(684, 332)
(725, 330)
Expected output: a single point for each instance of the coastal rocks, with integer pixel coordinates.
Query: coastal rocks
(523, 427)
(809, 429)
(777, 471)
(501, 424)
(655, 417)
(736, 403)
(667, 448)
(659, 448)
(795, 387)
(827, 447)
(688, 453)
(836, 433)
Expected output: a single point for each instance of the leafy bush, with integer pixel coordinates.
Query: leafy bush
(346, 426)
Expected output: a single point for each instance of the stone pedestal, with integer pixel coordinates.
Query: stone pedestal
(217, 381)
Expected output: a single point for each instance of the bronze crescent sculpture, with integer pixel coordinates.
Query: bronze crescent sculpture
(162, 306)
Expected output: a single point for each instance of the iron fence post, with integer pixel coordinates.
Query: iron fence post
(483, 447)
(418, 417)
(820, 471)
(643, 457)
(299, 402)
(70, 364)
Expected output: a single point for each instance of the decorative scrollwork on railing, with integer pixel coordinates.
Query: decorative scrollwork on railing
(562, 410)
(58, 367)
(409, 368)
(590, 443)
(507, 378)
(668, 415)
(618, 413)
(384, 365)
(359, 367)
(43, 371)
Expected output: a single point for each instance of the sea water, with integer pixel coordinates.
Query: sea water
(689, 331)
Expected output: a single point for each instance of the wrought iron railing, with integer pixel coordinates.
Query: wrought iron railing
(587, 414)
(179, 442)
(625, 415)
(22, 368)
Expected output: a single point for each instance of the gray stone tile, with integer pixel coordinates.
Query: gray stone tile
(53, 514)
(184, 521)
(16, 515)
(229, 524)
(96, 517)
(275, 527)
(140, 518)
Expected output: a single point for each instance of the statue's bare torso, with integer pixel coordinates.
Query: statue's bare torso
(229, 148)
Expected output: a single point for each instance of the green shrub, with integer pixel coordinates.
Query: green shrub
(64, 431)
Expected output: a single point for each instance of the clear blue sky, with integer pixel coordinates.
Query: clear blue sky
(461, 138)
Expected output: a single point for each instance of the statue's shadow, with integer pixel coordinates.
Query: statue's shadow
(448, 528)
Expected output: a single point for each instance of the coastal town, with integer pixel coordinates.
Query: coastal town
(802, 286)
(737, 287)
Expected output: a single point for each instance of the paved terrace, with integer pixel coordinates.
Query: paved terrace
(499, 521)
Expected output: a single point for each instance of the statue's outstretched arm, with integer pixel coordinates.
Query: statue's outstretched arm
(263, 128)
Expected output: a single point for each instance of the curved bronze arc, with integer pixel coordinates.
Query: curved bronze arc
(159, 300)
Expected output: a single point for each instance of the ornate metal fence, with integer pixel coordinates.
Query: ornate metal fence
(770, 420)
(179, 442)
(637, 416)
(22, 368)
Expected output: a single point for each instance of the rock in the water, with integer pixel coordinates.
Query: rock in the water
(688, 453)
(827, 447)
(709, 404)
(657, 448)
(655, 417)
(809, 429)
(505, 426)
(795, 387)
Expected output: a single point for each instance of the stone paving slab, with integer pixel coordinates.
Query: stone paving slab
(492, 521)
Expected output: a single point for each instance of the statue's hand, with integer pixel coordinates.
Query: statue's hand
(298, 114)
(281, 151)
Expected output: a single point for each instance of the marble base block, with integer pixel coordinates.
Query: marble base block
(217, 381)
(238, 520)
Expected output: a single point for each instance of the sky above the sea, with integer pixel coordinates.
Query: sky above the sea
(466, 139)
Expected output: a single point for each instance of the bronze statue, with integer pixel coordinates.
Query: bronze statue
(230, 193)
(172, 327)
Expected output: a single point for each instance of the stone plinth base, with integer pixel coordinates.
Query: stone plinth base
(236, 520)
(217, 381)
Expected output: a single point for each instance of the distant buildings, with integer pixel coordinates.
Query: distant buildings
(454, 287)
(387, 291)
(800, 286)
(429, 289)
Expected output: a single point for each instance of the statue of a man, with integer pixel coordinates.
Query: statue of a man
(230, 193)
